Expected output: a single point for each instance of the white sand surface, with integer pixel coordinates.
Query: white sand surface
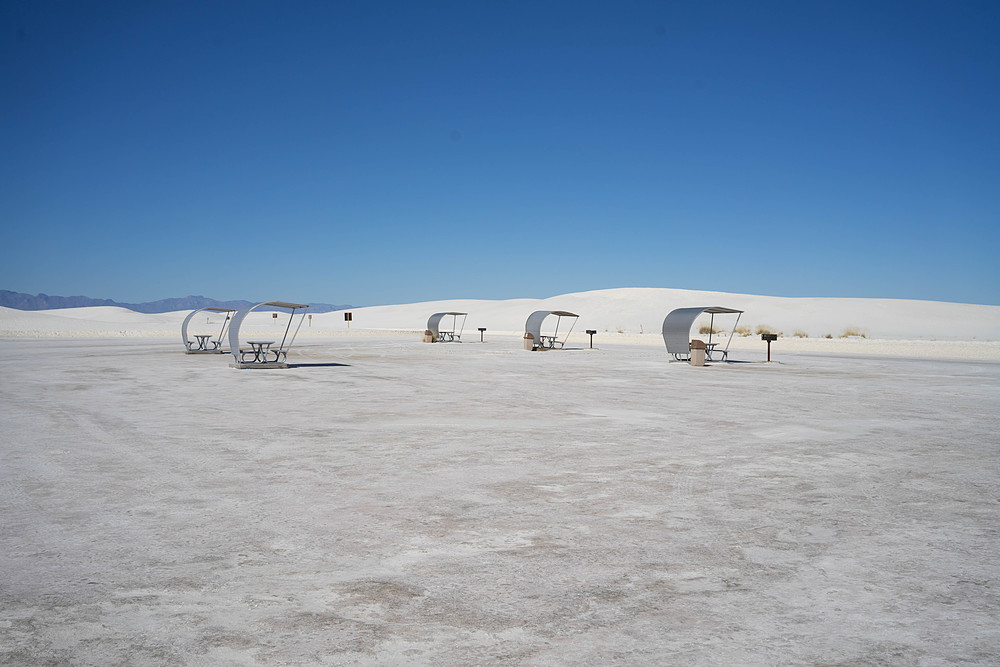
(385, 501)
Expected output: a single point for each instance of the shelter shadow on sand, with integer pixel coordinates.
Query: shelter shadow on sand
(320, 365)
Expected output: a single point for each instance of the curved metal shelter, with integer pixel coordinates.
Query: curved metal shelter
(263, 353)
(533, 327)
(444, 336)
(677, 331)
(204, 342)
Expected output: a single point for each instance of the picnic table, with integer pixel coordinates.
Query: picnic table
(710, 348)
(203, 342)
(549, 342)
(259, 349)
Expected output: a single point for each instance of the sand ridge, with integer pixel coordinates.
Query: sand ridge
(621, 316)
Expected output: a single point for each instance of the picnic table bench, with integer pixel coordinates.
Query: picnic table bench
(259, 349)
(204, 343)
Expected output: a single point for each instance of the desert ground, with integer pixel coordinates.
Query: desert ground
(385, 501)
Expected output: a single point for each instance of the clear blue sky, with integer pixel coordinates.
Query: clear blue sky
(383, 152)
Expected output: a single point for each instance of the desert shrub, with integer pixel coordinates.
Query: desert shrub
(853, 331)
(765, 329)
(742, 331)
(828, 336)
(707, 329)
(798, 333)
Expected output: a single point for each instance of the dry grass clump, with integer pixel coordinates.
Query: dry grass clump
(707, 329)
(798, 333)
(853, 331)
(766, 329)
(828, 336)
(742, 331)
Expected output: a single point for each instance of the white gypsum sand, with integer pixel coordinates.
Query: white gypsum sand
(631, 310)
(388, 501)
(630, 316)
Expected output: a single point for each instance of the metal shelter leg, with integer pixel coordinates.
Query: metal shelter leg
(295, 335)
(731, 333)
(571, 327)
(287, 327)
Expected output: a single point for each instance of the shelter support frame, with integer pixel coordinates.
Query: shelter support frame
(206, 345)
(677, 331)
(533, 329)
(439, 336)
(258, 356)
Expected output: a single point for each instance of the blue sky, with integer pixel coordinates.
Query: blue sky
(382, 152)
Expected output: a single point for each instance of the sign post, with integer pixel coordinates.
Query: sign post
(769, 338)
(347, 318)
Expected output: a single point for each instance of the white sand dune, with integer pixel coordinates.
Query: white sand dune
(626, 315)
(631, 310)
(92, 322)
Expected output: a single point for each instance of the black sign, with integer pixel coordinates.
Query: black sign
(348, 317)
(769, 337)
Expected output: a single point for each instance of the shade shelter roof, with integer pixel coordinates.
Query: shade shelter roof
(286, 341)
(434, 322)
(282, 304)
(213, 309)
(677, 327)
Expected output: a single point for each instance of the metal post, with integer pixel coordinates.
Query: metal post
(591, 332)
(287, 327)
(292, 342)
(769, 337)
(481, 330)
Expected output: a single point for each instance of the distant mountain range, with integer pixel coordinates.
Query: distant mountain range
(22, 301)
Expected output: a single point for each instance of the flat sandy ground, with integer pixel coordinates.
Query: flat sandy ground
(386, 501)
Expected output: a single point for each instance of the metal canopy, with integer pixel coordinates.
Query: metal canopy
(677, 329)
(283, 304)
(222, 332)
(533, 326)
(434, 325)
(281, 351)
